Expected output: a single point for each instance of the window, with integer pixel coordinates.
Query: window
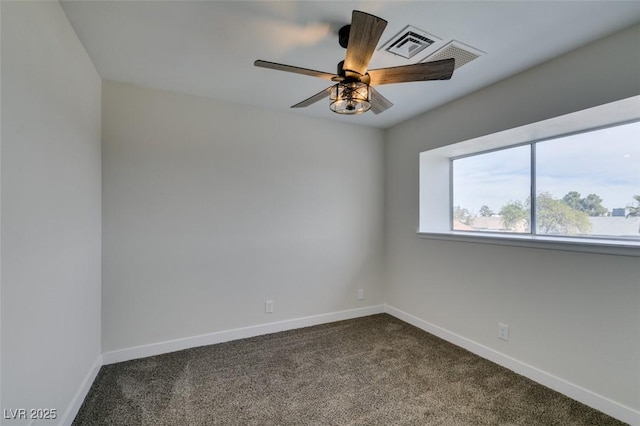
(485, 185)
(567, 183)
(585, 186)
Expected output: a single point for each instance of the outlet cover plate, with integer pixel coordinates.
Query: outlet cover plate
(503, 331)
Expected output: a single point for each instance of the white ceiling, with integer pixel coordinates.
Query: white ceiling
(207, 48)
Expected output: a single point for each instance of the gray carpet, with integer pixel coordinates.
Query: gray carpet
(375, 370)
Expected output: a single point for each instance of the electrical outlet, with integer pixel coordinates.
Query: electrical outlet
(360, 294)
(503, 331)
(268, 307)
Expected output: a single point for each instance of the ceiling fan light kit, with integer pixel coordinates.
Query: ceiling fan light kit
(350, 98)
(354, 92)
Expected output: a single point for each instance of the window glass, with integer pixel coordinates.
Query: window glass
(588, 184)
(491, 191)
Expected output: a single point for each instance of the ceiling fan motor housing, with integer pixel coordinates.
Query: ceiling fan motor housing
(350, 76)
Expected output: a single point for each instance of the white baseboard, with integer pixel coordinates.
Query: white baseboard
(77, 400)
(585, 396)
(238, 333)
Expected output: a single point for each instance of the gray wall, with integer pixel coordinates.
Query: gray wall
(575, 316)
(210, 209)
(51, 207)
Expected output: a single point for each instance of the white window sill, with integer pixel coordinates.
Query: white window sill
(582, 245)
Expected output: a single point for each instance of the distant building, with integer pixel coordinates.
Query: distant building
(495, 224)
(619, 212)
(615, 226)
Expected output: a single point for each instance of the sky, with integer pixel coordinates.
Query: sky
(605, 162)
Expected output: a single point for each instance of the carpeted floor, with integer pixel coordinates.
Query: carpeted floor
(375, 370)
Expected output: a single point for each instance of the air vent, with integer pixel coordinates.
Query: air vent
(409, 42)
(462, 53)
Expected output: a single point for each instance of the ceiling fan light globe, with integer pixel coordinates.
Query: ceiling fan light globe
(350, 98)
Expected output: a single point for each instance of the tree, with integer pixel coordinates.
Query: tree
(485, 211)
(572, 199)
(463, 215)
(557, 217)
(592, 205)
(514, 213)
(634, 211)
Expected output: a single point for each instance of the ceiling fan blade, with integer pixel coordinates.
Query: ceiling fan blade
(291, 68)
(313, 99)
(364, 35)
(437, 70)
(378, 102)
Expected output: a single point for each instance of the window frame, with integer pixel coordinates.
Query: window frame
(604, 116)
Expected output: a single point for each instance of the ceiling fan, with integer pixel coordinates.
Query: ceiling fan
(353, 92)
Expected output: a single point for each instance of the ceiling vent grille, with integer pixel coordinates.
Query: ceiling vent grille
(409, 42)
(462, 53)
